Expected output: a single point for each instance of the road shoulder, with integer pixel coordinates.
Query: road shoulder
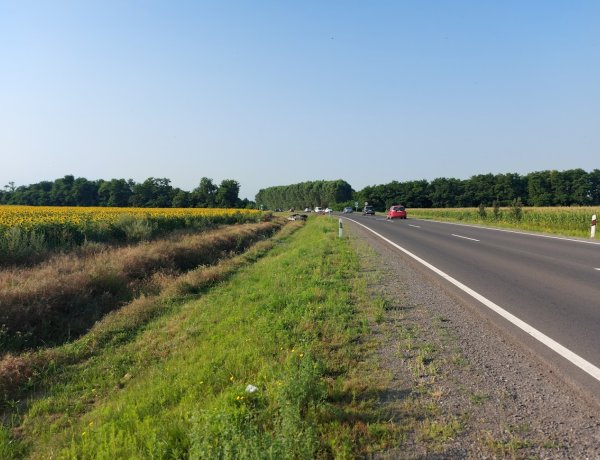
(459, 387)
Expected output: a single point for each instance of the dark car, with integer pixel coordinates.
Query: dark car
(368, 210)
(397, 212)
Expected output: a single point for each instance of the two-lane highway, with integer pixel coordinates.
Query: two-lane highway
(549, 287)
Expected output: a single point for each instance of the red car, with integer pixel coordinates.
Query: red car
(397, 212)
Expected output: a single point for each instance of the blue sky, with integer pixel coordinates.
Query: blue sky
(279, 92)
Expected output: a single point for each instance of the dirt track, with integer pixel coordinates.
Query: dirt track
(462, 388)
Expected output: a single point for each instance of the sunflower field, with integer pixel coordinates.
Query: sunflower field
(30, 230)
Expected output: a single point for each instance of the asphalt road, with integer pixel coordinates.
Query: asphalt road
(551, 284)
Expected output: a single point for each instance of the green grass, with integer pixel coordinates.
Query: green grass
(292, 324)
(66, 295)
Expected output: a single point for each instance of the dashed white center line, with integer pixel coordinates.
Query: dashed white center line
(465, 237)
(416, 226)
(597, 269)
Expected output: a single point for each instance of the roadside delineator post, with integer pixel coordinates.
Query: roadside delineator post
(593, 226)
(340, 229)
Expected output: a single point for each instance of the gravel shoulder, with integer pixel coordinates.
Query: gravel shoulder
(458, 386)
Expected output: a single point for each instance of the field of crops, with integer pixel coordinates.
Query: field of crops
(27, 230)
(573, 221)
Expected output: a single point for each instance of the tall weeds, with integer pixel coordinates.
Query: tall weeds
(18, 245)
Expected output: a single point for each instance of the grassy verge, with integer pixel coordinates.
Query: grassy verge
(22, 373)
(61, 299)
(292, 326)
(571, 221)
(417, 362)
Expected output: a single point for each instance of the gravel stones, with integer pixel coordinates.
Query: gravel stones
(459, 386)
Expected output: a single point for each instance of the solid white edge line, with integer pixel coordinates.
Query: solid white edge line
(575, 359)
(597, 243)
(465, 237)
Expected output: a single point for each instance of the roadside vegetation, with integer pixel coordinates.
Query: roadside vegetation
(60, 299)
(272, 350)
(572, 221)
(270, 358)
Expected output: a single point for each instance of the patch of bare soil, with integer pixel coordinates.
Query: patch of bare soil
(458, 387)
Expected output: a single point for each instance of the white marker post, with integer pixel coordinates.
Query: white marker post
(340, 230)
(593, 226)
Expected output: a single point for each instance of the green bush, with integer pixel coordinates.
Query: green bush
(18, 245)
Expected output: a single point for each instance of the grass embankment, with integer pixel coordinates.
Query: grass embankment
(575, 221)
(177, 386)
(62, 298)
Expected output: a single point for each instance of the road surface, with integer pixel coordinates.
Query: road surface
(549, 288)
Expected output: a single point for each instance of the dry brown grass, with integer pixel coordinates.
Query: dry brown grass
(63, 297)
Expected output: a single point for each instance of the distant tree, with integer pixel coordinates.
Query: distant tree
(508, 187)
(305, 194)
(247, 204)
(415, 194)
(181, 199)
(539, 189)
(593, 194)
(33, 195)
(227, 195)
(478, 189)
(444, 193)
(84, 192)
(204, 196)
(578, 187)
(153, 193)
(115, 193)
(61, 193)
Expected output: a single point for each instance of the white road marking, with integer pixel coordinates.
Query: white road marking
(465, 237)
(597, 269)
(575, 359)
(416, 226)
(517, 232)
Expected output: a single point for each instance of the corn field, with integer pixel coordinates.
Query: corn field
(572, 221)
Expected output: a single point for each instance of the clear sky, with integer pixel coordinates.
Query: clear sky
(278, 92)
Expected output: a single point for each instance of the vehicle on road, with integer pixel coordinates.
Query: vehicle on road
(368, 210)
(348, 210)
(397, 212)
(318, 209)
(328, 210)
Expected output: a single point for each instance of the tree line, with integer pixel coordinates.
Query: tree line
(574, 187)
(151, 193)
(305, 194)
